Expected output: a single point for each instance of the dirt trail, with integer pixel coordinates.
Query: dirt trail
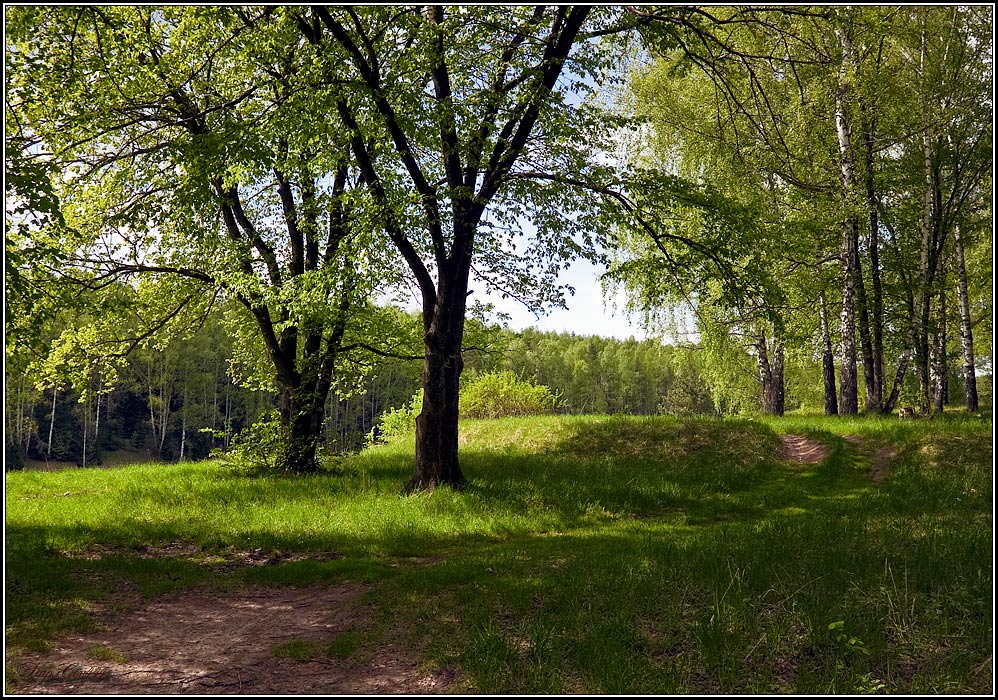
(801, 449)
(204, 643)
(881, 458)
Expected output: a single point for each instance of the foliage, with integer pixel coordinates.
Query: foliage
(400, 421)
(501, 395)
(256, 447)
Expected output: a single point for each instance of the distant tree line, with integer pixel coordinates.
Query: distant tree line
(181, 400)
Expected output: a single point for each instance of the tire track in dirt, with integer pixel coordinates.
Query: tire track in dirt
(802, 449)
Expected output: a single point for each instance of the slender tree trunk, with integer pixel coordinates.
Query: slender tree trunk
(183, 424)
(86, 428)
(966, 330)
(866, 342)
(848, 402)
(227, 440)
(875, 278)
(97, 421)
(55, 392)
(923, 351)
(906, 356)
(848, 389)
(939, 365)
(827, 360)
(927, 262)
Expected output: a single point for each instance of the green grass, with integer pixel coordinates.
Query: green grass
(594, 554)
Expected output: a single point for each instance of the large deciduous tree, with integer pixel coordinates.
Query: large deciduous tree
(449, 111)
(183, 147)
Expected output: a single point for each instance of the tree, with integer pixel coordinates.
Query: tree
(184, 148)
(824, 114)
(473, 102)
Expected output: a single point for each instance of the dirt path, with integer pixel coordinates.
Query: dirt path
(801, 449)
(881, 458)
(204, 643)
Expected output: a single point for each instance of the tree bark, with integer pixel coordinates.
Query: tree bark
(301, 420)
(966, 330)
(876, 396)
(436, 460)
(771, 376)
(55, 392)
(865, 341)
(848, 389)
(939, 365)
(827, 360)
(848, 402)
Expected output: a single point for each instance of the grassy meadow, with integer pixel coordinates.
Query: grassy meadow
(587, 554)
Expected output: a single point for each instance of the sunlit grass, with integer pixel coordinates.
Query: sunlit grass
(595, 554)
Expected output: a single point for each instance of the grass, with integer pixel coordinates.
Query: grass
(593, 554)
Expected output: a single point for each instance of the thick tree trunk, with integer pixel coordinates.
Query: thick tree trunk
(779, 386)
(437, 424)
(771, 376)
(301, 410)
(827, 361)
(966, 330)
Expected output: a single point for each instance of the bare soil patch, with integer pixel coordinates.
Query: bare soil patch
(204, 642)
(802, 449)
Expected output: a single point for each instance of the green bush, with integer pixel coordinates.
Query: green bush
(402, 420)
(493, 395)
(501, 394)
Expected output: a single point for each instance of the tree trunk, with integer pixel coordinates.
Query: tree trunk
(865, 341)
(848, 389)
(966, 330)
(875, 278)
(437, 424)
(301, 410)
(849, 402)
(55, 392)
(771, 375)
(827, 361)
(939, 365)
(906, 356)
(86, 429)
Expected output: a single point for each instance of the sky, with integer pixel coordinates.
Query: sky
(588, 312)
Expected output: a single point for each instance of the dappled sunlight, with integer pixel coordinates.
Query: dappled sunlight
(680, 568)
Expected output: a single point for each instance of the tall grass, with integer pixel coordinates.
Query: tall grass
(597, 554)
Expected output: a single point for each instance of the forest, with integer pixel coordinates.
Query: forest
(813, 185)
(268, 428)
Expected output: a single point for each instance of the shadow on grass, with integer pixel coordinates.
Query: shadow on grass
(633, 556)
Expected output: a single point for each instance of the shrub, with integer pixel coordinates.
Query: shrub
(501, 394)
(493, 395)
(402, 420)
